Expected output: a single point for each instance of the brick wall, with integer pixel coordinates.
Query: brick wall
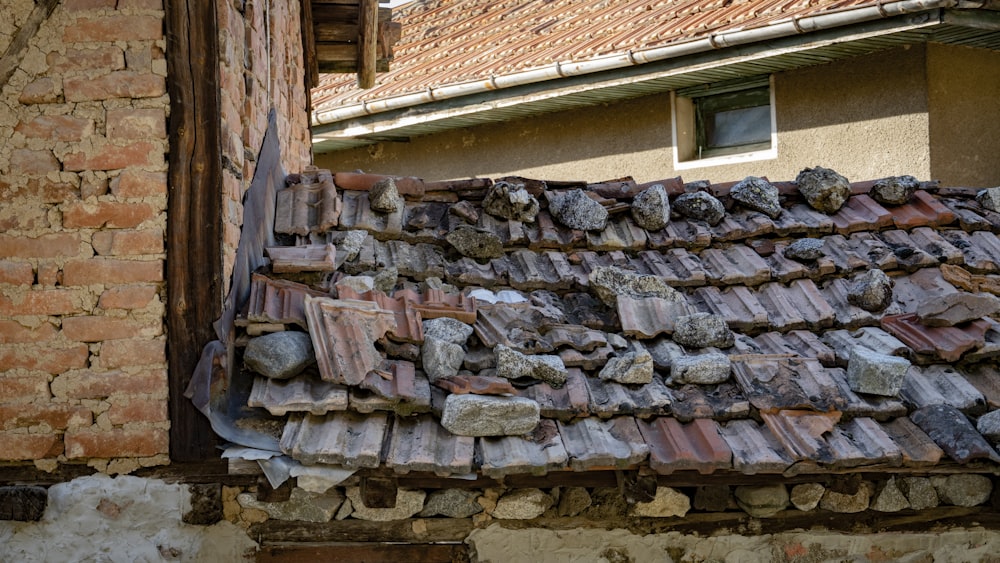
(83, 201)
(261, 66)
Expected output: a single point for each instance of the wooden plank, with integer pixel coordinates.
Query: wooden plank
(369, 553)
(309, 49)
(18, 46)
(330, 52)
(431, 530)
(367, 43)
(194, 214)
(349, 66)
(335, 32)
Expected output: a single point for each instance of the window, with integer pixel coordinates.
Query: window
(723, 123)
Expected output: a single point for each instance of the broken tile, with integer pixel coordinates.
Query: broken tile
(674, 446)
(303, 393)
(603, 444)
(400, 383)
(592, 360)
(347, 439)
(278, 300)
(343, 334)
(772, 384)
(416, 261)
(571, 400)
(537, 453)
(909, 256)
(309, 258)
(608, 398)
(648, 316)
(720, 402)
(801, 432)
(575, 336)
(420, 443)
(946, 343)
(512, 325)
(916, 447)
(801, 219)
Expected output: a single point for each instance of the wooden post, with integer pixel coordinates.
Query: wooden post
(367, 42)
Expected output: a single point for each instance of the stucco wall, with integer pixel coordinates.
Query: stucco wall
(964, 97)
(865, 117)
(83, 199)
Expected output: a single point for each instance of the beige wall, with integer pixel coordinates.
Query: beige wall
(964, 99)
(865, 117)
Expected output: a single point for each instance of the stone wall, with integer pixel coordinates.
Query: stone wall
(260, 67)
(83, 199)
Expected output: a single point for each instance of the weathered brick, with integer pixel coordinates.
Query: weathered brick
(111, 271)
(141, 4)
(13, 332)
(19, 446)
(104, 58)
(15, 389)
(92, 184)
(119, 27)
(139, 183)
(51, 191)
(137, 442)
(126, 409)
(128, 242)
(40, 302)
(118, 84)
(16, 273)
(27, 161)
(56, 128)
(101, 384)
(133, 296)
(57, 416)
(45, 246)
(110, 214)
(132, 352)
(95, 329)
(49, 274)
(44, 358)
(114, 157)
(136, 124)
(44, 90)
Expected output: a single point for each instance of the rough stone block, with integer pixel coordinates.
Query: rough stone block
(481, 415)
(667, 502)
(704, 369)
(874, 373)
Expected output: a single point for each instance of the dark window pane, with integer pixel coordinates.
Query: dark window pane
(738, 127)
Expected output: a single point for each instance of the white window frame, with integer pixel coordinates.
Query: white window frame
(683, 129)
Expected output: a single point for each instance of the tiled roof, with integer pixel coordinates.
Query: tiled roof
(452, 41)
(786, 402)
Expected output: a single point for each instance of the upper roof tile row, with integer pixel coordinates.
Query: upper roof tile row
(786, 408)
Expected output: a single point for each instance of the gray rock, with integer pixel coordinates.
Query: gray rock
(482, 415)
(963, 489)
(703, 330)
(667, 502)
(608, 282)
(989, 199)
(872, 291)
(301, 505)
(989, 426)
(805, 250)
(476, 243)
(919, 492)
(757, 194)
(890, 498)
(806, 496)
(522, 504)
(616, 341)
(279, 355)
(352, 242)
(847, 503)
(386, 279)
(951, 309)
(511, 202)
(651, 208)
(633, 367)
(466, 211)
(703, 369)
(875, 374)
(447, 329)
(896, 190)
(408, 503)
(762, 501)
(478, 359)
(440, 358)
(435, 282)
(345, 511)
(577, 210)
(384, 197)
(453, 503)
(512, 364)
(573, 501)
(824, 190)
(702, 206)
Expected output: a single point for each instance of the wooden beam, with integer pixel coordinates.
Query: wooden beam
(368, 43)
(367, 552)
(309, 48)
(18, 46)
(194, 214)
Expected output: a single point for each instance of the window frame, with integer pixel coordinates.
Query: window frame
(686, 130)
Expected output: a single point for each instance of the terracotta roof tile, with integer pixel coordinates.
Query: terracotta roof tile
(420, 443)
(737, 264)
(674, 446)
(946, 343)
(278, 300)
(620, 234)
(570, 401)
(738, 305)
(801, 219)
(343, 335)
(922, 210)
(861, 213)
(304, 393)
(603, 444)
(724, 401)
(916, 447)
(648, 317)
(538, 453)
(941, 385)
(986, 379)
(608, 398)
(347, 439)
(773, 384)
(677, 267)
(755, 449)
(407, 390)
(801, 433)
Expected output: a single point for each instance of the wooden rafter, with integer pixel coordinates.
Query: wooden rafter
(354, 36)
